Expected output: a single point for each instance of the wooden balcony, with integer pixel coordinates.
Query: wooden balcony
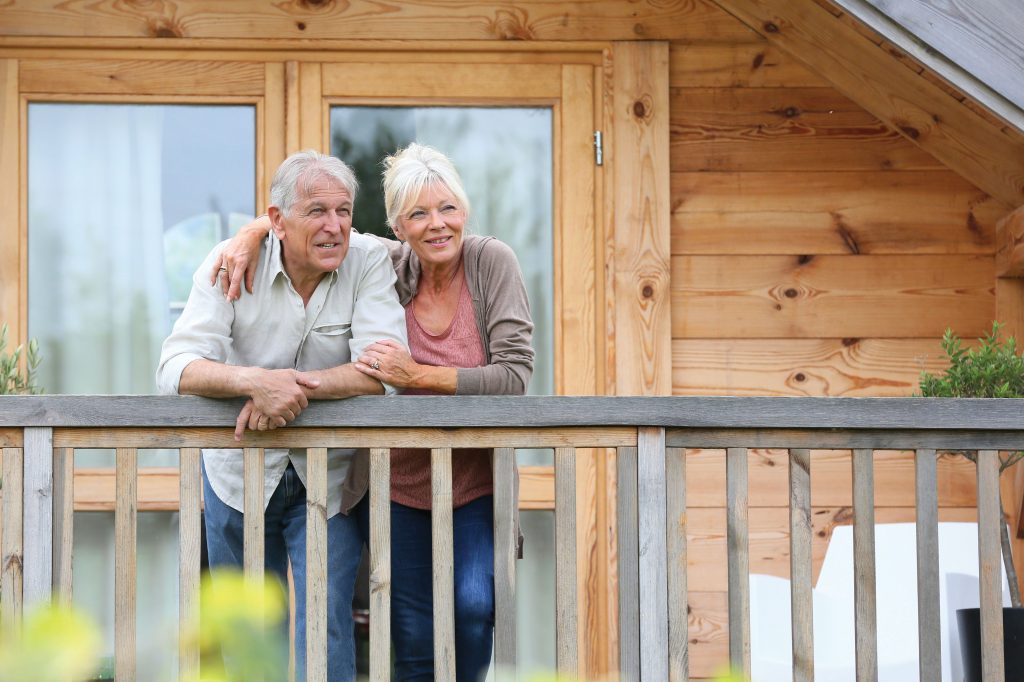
(40, 433)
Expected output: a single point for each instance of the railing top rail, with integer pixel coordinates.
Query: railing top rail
(531, 412)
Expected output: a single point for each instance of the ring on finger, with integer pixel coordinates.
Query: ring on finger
(376, 364)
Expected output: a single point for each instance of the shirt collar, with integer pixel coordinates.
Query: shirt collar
(275, 266)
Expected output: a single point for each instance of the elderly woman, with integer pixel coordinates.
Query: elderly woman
(469, 331)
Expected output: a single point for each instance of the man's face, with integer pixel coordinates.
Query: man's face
(315, 235)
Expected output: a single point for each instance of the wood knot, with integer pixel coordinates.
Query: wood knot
(911, 132)
(165, 29)
(799, 376)
(850, 342)
(804, 260)
(301, 25)
(511, 25)
(791, 112)
(758, 61)
(643, 108)
(791, 293)
(639, 29)
(315, 4)
(770, 27)
(647, 291)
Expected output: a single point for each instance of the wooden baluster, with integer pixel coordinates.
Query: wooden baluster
(316, 565)
(678, 606)
(506, 544)
(629, 565)
(443, 561)
(380, 565)
(12, 547)
(63, 523)
(989, 567)
(928, 633)
(254, 508)
(37, 517)
(566, 611)
(739, 559)
(189, 557)
(650, 480)
(864, 565)
(800, 564)
(125, 513)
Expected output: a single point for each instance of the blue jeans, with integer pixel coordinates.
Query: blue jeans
(412, 596)
(285, 539)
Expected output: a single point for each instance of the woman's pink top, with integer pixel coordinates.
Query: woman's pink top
(458, 346)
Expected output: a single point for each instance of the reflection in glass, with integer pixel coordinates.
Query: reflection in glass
(124, 201)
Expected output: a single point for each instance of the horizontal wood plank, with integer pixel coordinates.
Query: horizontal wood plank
(783, 129)
(11, 438)
(830, 296)
(831, 213)
(419, 80)
(1010, 245)
(830, 478)
(850, 367)
(755, 64)
(364, 19)
(141, 77)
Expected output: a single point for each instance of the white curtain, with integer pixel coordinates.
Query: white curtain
(97, 293)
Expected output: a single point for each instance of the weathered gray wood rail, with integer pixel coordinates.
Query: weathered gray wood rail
(39, 434)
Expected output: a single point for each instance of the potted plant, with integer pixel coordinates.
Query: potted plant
(993, 369)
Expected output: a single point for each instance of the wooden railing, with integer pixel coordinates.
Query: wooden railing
(39, 435)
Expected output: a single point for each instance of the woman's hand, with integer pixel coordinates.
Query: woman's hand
(238, 259)
(389, 361)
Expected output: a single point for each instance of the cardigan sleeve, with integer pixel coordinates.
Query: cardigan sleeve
(507, 323)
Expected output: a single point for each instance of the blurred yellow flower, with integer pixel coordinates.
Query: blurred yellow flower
(55, 643)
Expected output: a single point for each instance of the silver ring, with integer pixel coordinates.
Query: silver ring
(376, 364)
(223, 269)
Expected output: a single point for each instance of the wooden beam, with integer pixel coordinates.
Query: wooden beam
(11, 242)
(642, 219)
(926, 114)
(1010, 245)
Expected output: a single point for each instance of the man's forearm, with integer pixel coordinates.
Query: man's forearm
(215, 380)
(343, 381)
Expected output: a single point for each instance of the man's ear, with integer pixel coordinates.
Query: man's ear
(276, 221)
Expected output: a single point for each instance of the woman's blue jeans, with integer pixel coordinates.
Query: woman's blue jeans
(284, 539)
(412, 596)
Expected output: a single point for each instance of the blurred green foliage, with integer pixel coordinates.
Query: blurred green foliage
(993, 369)
(14, 377)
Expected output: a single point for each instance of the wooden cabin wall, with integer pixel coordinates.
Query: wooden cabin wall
(814, 251)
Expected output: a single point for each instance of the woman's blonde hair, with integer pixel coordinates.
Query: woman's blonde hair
(409, 170)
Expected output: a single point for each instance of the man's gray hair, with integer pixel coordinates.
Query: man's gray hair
(300, 172)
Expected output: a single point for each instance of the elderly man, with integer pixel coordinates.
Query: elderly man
(322, 295)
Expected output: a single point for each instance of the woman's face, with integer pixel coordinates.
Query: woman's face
(433, 226)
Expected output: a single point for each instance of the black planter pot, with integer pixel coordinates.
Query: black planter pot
(968, 623)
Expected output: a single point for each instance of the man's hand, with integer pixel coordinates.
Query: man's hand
(278, 396)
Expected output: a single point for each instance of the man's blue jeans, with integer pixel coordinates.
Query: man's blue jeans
(412, 596)
(285, 538)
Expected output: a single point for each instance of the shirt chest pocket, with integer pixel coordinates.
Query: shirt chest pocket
(326, 346)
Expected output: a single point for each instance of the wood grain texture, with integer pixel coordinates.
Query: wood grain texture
(642, 222)
(851, 367)
(12, 539)
(255, 507)
(830, 296)
(964, 141)
(63, 523)
(313, 132)
(443, 562)
(272, 131)
(865, 620)
(11, 438)
(380, 564)
(566, 611)
(989, 563)
(832, 483)
(783, 129)
(929, 636)
(10, 201)
(506, 544)
(652, 508)
(189, 556)
(125, 600)
(1010, 245)
(751, 64)
(293, 105)
(419, 81)
(831, 212)
(738, 542)
(627, 534)
(801, 564)
(362, 20)
(37, 516)
(316, 564)
(984, 39)
(141, 77)
(159, 489)
(678, 591)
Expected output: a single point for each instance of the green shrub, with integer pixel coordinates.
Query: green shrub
(14, 377)
(992, 370)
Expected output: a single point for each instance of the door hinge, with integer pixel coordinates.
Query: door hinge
(598, 148)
